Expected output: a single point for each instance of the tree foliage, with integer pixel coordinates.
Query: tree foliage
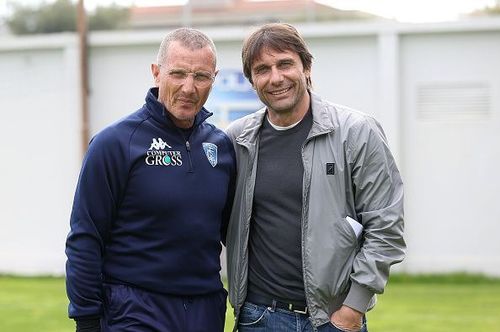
(61, 16)
(487, 11)
(109, 18)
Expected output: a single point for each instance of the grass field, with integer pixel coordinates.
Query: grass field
(410, 304)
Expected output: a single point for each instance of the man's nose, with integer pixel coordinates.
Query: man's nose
(188, 85)
(276, 75)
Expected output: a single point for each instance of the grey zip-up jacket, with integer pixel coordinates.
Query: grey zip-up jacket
(349, 172)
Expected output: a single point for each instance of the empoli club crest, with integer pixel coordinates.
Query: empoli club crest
(211, 153)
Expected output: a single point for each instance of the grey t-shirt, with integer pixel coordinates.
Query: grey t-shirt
(275, 257)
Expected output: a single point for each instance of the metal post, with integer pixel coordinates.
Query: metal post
(82, 41)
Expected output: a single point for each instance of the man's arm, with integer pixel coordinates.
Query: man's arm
(230, 194)
(95, 202)
(378, 191)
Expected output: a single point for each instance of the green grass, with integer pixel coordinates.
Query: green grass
(33, 305)
(452, 303)
(426, 303)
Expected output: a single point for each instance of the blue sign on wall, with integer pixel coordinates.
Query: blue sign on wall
(232, 96)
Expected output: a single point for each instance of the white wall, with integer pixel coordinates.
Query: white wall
(119, 79)
(345, 70)
(451, 136)
(435, 88)
(40, 146)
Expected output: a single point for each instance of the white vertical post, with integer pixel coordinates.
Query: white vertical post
(388, 108)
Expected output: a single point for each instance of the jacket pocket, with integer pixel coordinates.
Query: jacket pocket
(331, 247)
(345, 249)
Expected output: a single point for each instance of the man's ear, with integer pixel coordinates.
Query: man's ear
(251, 81)
(307, 72)
(155, 70)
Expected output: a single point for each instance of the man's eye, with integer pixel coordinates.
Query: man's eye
(178, 74)
(261, 70)
(202, 77)
(285, 65)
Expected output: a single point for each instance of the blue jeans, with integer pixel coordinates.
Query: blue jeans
(259, 318)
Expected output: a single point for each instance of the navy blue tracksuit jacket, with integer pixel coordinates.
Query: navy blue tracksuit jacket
(150, 208)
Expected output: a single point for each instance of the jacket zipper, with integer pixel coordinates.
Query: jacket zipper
(188, 149)
(305, 197)
(248, 206)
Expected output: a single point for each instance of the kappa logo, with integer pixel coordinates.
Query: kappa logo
(159, 144)
(211, 153)
(156, 155)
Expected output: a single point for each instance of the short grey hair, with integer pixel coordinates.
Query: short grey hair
(188, 37)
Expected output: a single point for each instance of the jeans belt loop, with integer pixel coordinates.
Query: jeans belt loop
(273, 306)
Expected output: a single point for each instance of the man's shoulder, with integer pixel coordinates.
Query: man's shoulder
(238, 126)
(351, 116)
(213, 131)
(342, 112)
(121, 129)
(358, 127)
(339, 116)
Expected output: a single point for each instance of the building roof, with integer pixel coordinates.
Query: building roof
(238, 12)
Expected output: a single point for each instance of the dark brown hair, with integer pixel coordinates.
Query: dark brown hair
(279, 37)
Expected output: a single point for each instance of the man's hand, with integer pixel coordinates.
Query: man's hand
(347, 319)
(88, 325)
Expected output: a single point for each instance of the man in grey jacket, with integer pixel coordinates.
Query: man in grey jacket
(317, 219)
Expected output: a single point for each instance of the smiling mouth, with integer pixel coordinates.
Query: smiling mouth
(280, 92)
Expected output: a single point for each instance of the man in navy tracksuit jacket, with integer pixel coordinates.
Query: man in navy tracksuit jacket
(151, 207)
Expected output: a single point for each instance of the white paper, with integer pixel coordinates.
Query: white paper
(356, 226)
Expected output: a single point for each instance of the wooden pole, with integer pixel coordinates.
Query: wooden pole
(84, 90)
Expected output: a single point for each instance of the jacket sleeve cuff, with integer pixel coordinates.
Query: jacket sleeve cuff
(358, 298)
(88, 325)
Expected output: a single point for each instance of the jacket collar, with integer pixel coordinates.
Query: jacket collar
(323, 116)
(250, 132)
(160, 113)
(323, 121)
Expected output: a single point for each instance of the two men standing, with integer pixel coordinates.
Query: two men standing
(316, 219)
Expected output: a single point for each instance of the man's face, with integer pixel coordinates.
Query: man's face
(184, 81)
(280, 80)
